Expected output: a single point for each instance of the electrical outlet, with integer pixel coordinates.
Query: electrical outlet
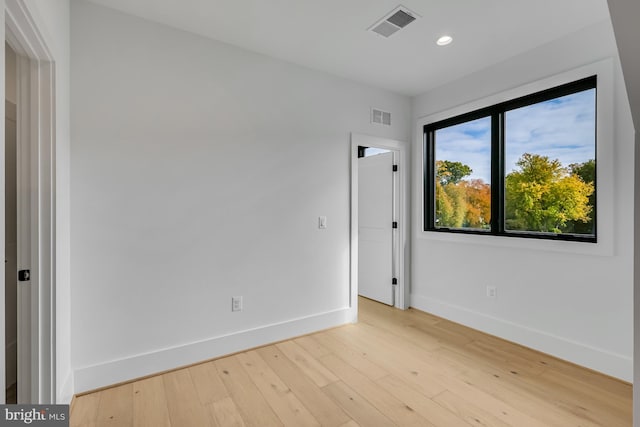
(236, 303)
(322, 222)
(492, 291)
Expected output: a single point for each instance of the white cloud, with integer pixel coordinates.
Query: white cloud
(468, 143)
(562, 128)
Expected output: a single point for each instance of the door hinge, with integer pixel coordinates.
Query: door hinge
(395, 168)
(24, 275)
(394, 281)
(395, 224)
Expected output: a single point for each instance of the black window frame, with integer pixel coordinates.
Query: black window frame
(497, 114)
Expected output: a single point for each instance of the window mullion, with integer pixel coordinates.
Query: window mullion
(501, 172)
(497, 173)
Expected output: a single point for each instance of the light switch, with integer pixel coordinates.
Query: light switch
(322, 222)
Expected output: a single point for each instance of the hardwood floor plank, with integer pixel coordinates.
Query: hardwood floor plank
(527, 398)
(225, 413)
(396, 360)
(552, 364)
(85, 411)
(430, 410)
(442, 334)
(406, 330)
(503, 356)
(207, 382)
(585, 399)
(496, 407)
(468, 411)
(612, 385)
(357, 359)
(280, 397)
(397, 411)
(307, 363)
(253, 407)
(116, 407)
(182, 400)
(322, 407)
(356, 406)
(384, 313)
(312, 346)
(150, 406)
(410, 358)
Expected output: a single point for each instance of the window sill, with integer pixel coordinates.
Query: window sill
(604, 247)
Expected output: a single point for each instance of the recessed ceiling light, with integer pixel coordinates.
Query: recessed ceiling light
(444, 40)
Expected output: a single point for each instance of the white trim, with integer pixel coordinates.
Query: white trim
(116, 371)
(65, 393)
(605, 171)
(403, 210)
(24, 35)
(25, 227)
(600, 360)
(36, 128)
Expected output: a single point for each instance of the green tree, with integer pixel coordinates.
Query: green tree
(542, 195)
(587, 173)
(450, 205)
(451, 172)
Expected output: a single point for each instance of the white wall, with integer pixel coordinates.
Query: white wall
(624, 17)
(199, 172)
(570, 304)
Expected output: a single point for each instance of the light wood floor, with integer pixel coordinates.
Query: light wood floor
(392, 368)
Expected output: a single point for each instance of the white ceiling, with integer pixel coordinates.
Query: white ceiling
(332, 36)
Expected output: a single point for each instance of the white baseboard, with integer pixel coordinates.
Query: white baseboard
(117, 371)
(615, 365)
(65, 392)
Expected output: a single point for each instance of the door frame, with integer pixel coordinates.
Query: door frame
(36, 196)
(402, 253)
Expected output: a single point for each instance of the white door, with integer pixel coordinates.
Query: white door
(375, 232)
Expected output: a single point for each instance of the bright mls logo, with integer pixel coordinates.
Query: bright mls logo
(37, 415)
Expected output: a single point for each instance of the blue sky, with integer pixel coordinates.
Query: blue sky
(561, 128)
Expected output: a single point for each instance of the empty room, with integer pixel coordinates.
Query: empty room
(325, 213)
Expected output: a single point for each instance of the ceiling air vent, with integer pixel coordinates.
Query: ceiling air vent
(380, 117)
(394, 21)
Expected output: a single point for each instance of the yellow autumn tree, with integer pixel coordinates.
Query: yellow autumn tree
(544, 196)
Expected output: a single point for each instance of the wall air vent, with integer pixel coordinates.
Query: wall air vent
(394, 21)
(380, 117)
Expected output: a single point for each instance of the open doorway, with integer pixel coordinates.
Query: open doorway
(11, 226)
(33, 164)
(379, 220)
(377, 224)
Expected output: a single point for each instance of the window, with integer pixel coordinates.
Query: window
(525, 167)
(462, 171)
